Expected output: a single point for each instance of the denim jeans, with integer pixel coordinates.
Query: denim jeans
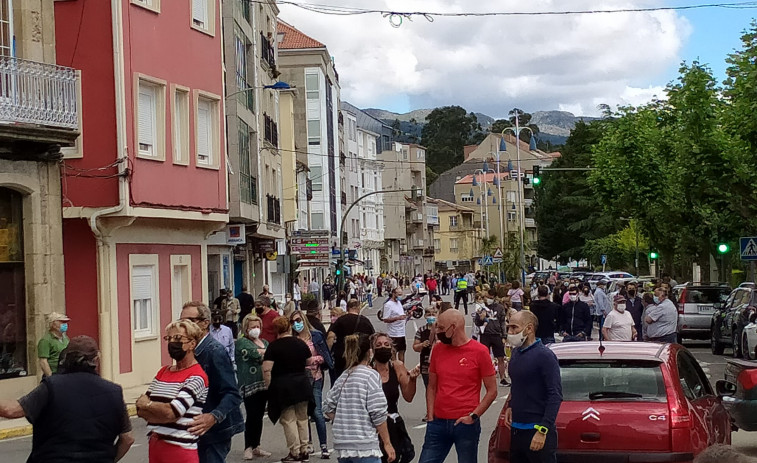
(370, 300)
(320, 421)
(441, 434)
(359, 460)
(215, 452)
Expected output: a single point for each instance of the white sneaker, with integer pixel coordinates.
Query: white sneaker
(248, 453)
(258, 452)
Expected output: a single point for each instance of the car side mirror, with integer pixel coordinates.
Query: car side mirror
(725, 388)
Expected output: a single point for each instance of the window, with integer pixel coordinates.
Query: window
(453, 221)
(453, 245)
(316, 221)
(511, 197)
(144, 295)
(693, 380)
(180, 126)
(312, 85)
(207, 137)
(181, 283)
(153, 5)
(6, 28)
(584, 381)
(13, 360)
(316, 176)
(466, 198)
(151, 118)
(203, 15)
(314, 132)
(247, 183)
(241, 47)
(404, 154)
(437, 244)
(420, 154)
(511, 216)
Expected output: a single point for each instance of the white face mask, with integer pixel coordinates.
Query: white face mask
(574, 297)
(621, 308)
(254, 333)
(489, 301)
(289, 299)
(516, 340)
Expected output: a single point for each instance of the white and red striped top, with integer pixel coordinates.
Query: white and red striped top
(186, 391)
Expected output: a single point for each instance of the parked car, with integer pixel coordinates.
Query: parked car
(634, 402)
(696, 304)
(749, 338)
(595, 277)
(728, 322)
(739, 393)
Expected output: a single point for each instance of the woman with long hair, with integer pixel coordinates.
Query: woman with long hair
(320, 359)
(249, 352)
(360, 418)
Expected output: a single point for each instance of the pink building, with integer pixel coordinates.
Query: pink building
(146, 183)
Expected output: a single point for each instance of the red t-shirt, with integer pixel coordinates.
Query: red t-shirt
(459, 372)
(268, 332)
(431, 284)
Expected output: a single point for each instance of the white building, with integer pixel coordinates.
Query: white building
(372, 207)
(351, 181)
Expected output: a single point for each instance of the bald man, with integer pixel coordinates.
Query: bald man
(535, 395)
(453, 397)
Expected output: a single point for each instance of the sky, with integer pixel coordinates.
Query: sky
(493, 64)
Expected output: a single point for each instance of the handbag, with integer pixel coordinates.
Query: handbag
(400, 439)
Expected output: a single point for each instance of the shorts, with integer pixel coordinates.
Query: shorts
(495, 343)
(400, 344)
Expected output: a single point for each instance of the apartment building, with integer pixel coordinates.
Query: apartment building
(457, 241)
(40, 110)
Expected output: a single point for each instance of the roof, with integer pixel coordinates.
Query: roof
(468, 179)
(448, 206)
(293, 39)
(589, 350)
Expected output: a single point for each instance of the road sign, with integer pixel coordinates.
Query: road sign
(307, 248)
(296, 241)
(314, 263)
(311, 233)
(604, 259)
(498, 253)
(748, 247)
(487, 260)
(315, 256)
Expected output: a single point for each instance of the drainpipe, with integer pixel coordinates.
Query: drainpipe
(104, 264)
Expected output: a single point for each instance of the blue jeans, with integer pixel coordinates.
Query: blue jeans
(441, 434)
(320, 421)
(370, 300)
(215, 452)
(359, 460)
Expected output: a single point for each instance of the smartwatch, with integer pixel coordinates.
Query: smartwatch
(474, 416)
(541, 429)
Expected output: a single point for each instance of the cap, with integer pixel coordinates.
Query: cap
(83, 345)
(619, 298)
(55, 316)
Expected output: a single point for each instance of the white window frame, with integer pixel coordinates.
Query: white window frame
(316, 179)
(437, 244)
(76, 151)
(466, 198)
(453, 244)
(206, 24)
(7, 49)
(180, 125)
(177, 302)
(143, 262)
(313, 93)
(319, 226)
(213, 134)
(453, 221)
(152, 5)
(158, 87)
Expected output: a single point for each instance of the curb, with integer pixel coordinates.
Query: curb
(27, 430)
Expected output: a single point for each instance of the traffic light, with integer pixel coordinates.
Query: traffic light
(653, 255)
(537, 175)
(338, 270)
(723, 248)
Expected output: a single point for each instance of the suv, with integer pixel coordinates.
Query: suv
(696, 304)
(729, 321)
(596, 277)
(633, 402)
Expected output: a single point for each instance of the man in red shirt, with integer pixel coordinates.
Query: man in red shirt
(431, 285)
(458, 367)
(267, 315)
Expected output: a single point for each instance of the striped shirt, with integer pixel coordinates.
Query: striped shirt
(360, 405)
(186, 391)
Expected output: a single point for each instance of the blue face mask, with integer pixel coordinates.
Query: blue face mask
(656, 299)
(299, 326)
(63, 327)
(431, 320)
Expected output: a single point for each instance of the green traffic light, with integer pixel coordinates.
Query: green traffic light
(653, 255)
(723, 248)
(537, 180)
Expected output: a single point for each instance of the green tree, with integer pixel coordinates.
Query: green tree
(447, 131)
(500, 124)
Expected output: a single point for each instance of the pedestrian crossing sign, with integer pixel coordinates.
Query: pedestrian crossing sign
(748, 246)
(498, 253)
(487, 260)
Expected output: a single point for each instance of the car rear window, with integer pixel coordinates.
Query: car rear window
(707, 295)
(625, 380)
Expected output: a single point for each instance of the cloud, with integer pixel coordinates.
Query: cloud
(492, 64)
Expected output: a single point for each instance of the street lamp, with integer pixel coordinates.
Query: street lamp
(521, 210)
(275, 86)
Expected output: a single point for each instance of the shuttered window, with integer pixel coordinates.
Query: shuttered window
(147, 120)
(200, 13)
(204, 132)
(181, 127)
(143, 300)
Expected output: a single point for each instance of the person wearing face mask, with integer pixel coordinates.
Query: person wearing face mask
(268, 315)
(575, 318)
(546, 312)
(175, 397)
(424, 340)
(396, 319)
(619, 325)
(250, 349)
(454, 405)
(289, 305)
(222, 333)
(661, 318)
(395, 380)
(52, 343)
(536, 393)
(319, 361)
(492, 318)
(635, 307)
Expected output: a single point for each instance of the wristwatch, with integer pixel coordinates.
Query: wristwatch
(474, 416)
(541, 429)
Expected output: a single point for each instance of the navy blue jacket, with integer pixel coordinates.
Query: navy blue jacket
(536, 392)
(223, 393)
(575, 317)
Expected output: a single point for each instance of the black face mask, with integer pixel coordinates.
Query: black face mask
(217, 324)
(443, 338)
(176, 351)
(382, 354)
(632, 292)
(259, 310)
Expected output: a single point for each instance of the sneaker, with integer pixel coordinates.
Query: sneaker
(291, 459)
(325, 453)
(258, 452)
(504, 382)
(304, 457)
(248, 455)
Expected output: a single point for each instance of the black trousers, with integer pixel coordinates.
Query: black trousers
(254, 405)
(520, 447)
(461, 296)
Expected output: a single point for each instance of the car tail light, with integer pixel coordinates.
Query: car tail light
(682, 301)
(747, 379)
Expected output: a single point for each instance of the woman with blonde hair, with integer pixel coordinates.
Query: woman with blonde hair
(249, 352)
(357, 406)
(175, 397)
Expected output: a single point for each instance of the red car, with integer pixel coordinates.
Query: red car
(633, 402)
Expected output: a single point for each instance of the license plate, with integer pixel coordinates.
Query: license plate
(705, 309)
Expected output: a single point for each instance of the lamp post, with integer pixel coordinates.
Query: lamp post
(521, 209)
(275, 86)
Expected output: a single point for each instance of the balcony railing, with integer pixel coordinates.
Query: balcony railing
(274, 209)
(530, 223)
(38, 93)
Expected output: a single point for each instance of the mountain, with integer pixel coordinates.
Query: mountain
(558, 123)
(420, 116)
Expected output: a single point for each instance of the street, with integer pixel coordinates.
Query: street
(17, 450)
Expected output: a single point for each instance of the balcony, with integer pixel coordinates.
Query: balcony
(528, 202)
(530, 223)
(415, 217)
(429, 251)
(271, 132)
(273, 209)
(417, 244)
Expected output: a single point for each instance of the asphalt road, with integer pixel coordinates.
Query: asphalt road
(17, 450)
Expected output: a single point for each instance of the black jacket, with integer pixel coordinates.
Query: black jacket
(547, 312)
(575, 317)
(494, 317)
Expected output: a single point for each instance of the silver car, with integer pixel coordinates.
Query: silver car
(696, 304)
